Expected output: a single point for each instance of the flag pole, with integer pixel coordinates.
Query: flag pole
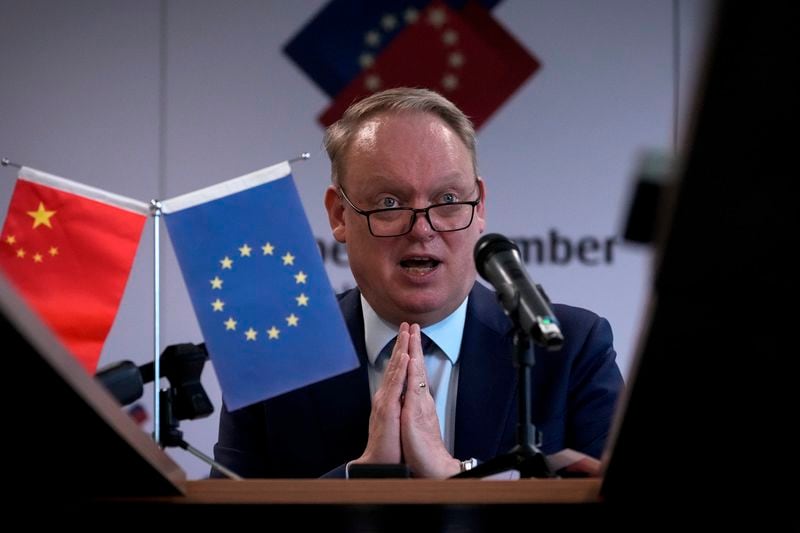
(155, 210)
(6, 163)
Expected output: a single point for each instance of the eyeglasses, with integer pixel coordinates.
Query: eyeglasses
(396, 221)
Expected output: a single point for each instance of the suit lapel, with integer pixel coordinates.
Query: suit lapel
(343, 403)
(487, 379)
(350, 304)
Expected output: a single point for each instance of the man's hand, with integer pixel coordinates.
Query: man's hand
(423, 449)
(383, 445)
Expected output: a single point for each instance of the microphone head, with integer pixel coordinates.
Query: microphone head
(123, 380)
(487, 246)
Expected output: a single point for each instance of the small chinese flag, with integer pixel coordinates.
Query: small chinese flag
(68, 250)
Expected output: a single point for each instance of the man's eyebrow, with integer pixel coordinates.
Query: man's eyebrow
(455, 183)
(380, 183)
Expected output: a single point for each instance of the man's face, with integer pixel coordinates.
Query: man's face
(407, 159)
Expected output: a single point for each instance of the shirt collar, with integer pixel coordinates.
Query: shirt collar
(446, 333)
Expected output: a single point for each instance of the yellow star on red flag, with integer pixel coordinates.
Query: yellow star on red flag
(41, 216)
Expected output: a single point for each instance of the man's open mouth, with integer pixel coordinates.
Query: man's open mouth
(419, 265)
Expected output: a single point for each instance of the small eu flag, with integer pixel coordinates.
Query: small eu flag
(255, 276)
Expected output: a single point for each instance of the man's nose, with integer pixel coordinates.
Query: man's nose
(421, 228)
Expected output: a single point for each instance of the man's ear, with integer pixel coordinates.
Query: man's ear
(480, 209)
(335, 209)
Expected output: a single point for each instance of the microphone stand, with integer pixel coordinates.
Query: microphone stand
(525, 457)
(171, 435)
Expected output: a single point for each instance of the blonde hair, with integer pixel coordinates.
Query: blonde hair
(338, 135)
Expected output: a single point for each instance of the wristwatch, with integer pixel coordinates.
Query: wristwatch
(468, 464)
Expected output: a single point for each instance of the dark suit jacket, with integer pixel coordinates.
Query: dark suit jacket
(310, 431)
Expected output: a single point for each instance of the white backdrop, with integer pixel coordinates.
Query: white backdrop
(152, 99)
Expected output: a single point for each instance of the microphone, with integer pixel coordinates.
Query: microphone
(181, 364)
(123, 380)
(498, 261)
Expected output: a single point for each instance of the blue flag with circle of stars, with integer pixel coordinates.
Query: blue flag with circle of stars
(268, 314)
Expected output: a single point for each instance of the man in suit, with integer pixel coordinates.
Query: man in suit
(436, 389)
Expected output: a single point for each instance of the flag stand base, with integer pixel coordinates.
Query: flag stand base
(172, 436)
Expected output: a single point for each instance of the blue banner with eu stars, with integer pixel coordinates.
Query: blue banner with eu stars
(258, 286)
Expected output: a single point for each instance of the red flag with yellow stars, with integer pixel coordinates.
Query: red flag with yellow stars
(68, 250)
